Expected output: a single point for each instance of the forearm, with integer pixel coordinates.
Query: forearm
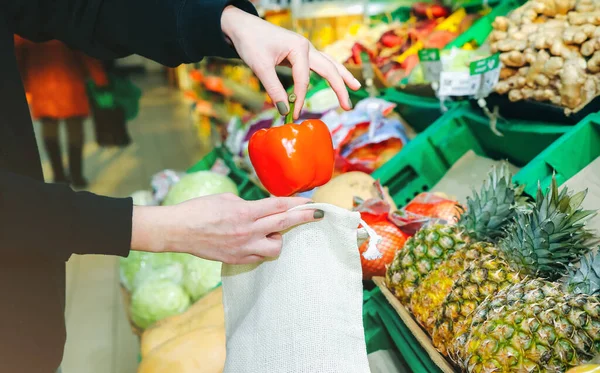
(168, 31)
(52, 220)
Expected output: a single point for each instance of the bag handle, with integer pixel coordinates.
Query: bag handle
(372, 251)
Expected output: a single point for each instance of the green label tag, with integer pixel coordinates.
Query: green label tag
(428, 55)
(484, 65)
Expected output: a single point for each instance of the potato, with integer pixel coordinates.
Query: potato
(342, 189)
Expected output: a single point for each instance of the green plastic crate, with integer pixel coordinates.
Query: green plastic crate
(418, 111)
(427, 158)
(413, 354)
(247, 189)
(567, 156)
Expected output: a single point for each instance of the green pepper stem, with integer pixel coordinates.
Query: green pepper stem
(289, 118)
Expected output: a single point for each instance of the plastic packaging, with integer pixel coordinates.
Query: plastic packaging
(162, 183)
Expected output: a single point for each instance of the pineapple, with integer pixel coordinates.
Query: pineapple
(487, 212)
(433, 289)
(538, 325)
(540, 243)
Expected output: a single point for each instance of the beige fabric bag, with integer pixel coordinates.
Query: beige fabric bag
(301, 312)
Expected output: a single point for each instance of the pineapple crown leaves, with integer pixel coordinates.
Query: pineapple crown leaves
(586, 278)
(546, 240)
(490, 209)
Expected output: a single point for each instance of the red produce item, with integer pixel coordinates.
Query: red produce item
(422, 30)
(426, 208)
(375, 212)
(390, 39)
(392, 239)
(292, 158)
(429, 11)
(439, 39)
(409, 63)
(357, 49)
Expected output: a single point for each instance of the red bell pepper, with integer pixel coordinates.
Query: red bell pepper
(293, 158)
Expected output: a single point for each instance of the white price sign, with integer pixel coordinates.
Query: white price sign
(458, 84)
(488, 71)
(490, 79)
(478, 81)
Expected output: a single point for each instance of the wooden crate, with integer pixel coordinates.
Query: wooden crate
(421, 336)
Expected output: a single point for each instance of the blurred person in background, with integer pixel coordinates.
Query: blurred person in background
(54, 77)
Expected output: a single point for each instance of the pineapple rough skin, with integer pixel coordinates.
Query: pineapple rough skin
(421, 253)
(488, 212)
(541, 243)
(533, 327)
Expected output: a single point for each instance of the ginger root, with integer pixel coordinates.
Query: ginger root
(576, 18)
(593, 64)
(501, 24)
(589, 47)
(550, 51)
(514, 82)
(507, 45)
(497, 35)
(513, 59)
(507, 72)
(578, 34)
(573, 79)
(585, 6)
(515, 95)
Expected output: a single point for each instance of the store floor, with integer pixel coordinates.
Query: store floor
(99, 338)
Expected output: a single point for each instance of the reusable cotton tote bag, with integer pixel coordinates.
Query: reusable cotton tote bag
(302, 311)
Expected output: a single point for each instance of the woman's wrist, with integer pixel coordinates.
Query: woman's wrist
(150, 231)
(230, 18)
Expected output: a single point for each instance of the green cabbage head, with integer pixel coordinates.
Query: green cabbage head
(199, 184)
(139, 266)
(155, 300)
(200, 276)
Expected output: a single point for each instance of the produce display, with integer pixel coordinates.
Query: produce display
(550, 51)
(491, 289)
(392, 49)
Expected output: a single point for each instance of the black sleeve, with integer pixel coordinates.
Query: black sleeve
(170, 32)
(54, 221)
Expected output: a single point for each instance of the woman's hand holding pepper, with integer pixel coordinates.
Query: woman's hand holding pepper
(263, 46)
(220, 227)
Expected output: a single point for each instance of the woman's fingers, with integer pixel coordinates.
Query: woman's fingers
(322, 66)
(274, 205)
(350, 80)
(270, 80)
(299, 59)
(270, 246)
(285, 220)
(250, 259)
